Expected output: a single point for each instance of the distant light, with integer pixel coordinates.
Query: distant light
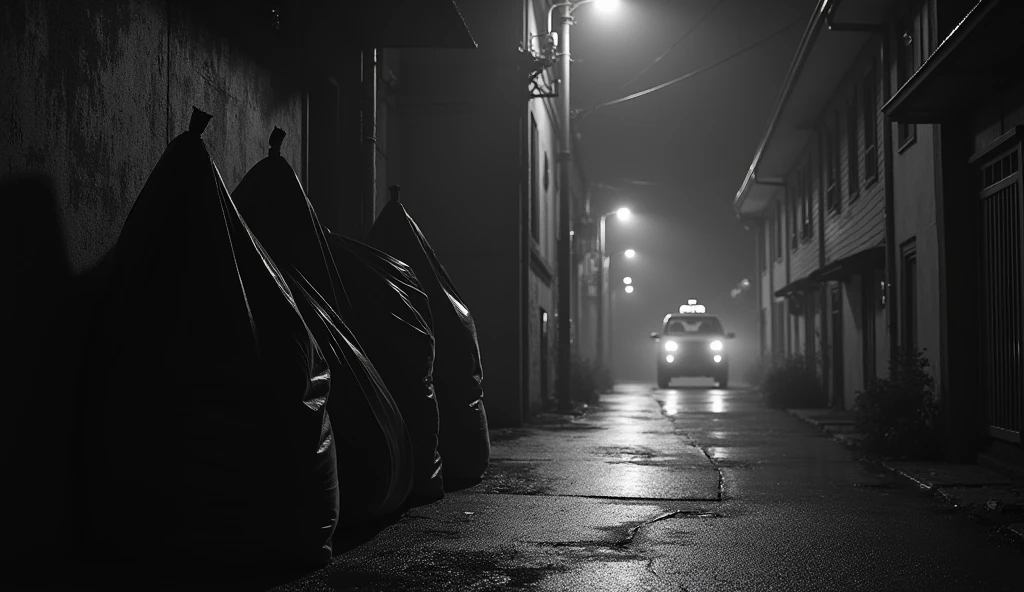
(629, 289)
(745, 283)
(630, 253)
(607, 5)
(670, 358)
(691, 301)
(627, 280)
(718, 359)
(624, 214)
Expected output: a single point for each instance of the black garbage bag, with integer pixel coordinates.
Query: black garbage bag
(374, 462)
(375, 452)
(394, 324)
(463, 439)
(206, 433)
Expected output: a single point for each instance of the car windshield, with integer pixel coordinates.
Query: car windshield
(694, 326)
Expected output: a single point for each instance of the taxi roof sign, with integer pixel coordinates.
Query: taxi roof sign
(692, 309)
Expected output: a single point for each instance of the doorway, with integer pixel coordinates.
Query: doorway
(836, 293)
(543, 356)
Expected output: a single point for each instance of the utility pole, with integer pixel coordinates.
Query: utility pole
(564, 387)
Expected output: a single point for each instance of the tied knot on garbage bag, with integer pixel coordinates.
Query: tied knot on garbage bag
(208, 437)
(386, 429)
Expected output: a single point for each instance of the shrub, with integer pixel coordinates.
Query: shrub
(588, 380)
(897, 414)
(792, 384)
(755, 373)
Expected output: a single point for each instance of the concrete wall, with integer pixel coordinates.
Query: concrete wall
(914, 180)
(92, 93)
(461, 112)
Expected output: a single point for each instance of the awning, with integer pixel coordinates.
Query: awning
(984, 49)
(852, 264)
(798, 287)
(420, 23)
(385, 24)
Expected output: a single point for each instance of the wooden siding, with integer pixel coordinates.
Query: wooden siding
(858, 223)
(804, 259)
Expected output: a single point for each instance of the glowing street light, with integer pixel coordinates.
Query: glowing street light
(629, 289)
(623, 214)
(607, 5)
(627, 280)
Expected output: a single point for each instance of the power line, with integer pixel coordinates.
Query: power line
(699, 70)
(686, 34)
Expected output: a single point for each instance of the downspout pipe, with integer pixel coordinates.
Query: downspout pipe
(368, 207)
(891, 314)
(892, 317)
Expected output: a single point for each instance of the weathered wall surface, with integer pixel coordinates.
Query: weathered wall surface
(915, 221)
(460, 175)
(92, 93)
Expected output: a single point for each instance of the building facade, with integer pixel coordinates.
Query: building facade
(865, 242)
(479, 172)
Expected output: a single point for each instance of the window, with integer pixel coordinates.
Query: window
(779, 233)
(870, 120)
(762, 259)
(852, 152)
(694, 325)
(534, 179)
(906, 53)
(908, 293)
(831, 165)
(807, 230)
(791, 198)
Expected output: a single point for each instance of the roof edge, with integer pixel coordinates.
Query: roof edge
(803, 50)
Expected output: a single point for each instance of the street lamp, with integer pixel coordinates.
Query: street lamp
(623, 214)
(565, 194)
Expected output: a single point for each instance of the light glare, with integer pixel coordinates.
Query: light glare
(607, 5)
(629, 289)
(630, 253)
(624, 214)
(670, 358)
(671, 346)
(716, 345)
(627, 280)
(718, 359)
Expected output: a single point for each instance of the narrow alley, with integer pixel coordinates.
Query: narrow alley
(682, 489)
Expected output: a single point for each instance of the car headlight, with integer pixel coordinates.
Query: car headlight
(716, 345)
(671, 346)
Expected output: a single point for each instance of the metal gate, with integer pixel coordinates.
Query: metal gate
(1001, 316)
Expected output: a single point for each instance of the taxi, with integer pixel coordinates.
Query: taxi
(692, 343)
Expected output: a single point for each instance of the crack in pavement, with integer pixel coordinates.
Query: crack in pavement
(631, 534)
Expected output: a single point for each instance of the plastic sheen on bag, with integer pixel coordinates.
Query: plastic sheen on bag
(375, 454)
(207, 433)
(394, 325)
(463, 440)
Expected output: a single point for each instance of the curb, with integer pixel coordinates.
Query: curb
(997, 488)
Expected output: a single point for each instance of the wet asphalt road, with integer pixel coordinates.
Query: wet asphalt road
(681, 489)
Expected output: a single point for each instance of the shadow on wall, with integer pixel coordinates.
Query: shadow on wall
(46, 314)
